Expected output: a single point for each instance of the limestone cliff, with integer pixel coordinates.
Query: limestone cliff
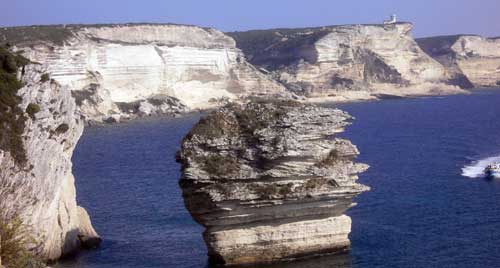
(36, 180)
(124, 70)
(270, 181)
(351, 61)
(470, 60)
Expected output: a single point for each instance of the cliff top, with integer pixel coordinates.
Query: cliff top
(284, 45)
(441, 45)
(58, 33)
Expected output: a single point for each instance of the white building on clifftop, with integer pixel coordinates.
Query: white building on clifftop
(393, 20)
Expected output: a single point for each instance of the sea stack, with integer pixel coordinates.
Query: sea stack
(270, 181)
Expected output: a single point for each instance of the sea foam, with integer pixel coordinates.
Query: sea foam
(476, 168)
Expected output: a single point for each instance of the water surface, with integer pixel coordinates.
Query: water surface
(421, 212)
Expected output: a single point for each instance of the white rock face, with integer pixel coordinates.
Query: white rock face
(339, 60)
(472, 60)
(135, 62)
(42, 193)
(479, 59)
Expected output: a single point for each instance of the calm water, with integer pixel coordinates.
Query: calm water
(421, 212)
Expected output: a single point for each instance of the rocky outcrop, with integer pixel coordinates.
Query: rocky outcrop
(470, 60)
(36, 180)
(110, 67)
(347, 62)
(270, 181)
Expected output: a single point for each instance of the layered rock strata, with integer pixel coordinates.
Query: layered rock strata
(270, 181)
(470, 60)
(111, 66)
(38, 187)
(348, 62)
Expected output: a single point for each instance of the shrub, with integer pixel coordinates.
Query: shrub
(218, 165)
(215, 125)
(62, 128)
(315, 183)
(32, 109)
(15, 243)
(331, 159)
(45, 77)
(272, 190)
(12, 118)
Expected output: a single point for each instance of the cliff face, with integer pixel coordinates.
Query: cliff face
(36, 181)
(352, 61)
(117, 69)
(471, 60)
(270, 181)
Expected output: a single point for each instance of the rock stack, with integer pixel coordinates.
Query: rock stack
(270, 181)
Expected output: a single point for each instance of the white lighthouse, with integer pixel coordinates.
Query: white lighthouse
(393, 20)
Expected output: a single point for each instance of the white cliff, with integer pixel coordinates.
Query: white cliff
(472, 60)
(347, 62)
(36, 181)
(110, 65)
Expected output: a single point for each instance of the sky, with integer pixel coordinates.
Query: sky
(430, 17)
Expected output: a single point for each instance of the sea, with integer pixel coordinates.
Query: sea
(429, 204)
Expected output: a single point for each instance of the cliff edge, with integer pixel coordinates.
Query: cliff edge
(470, 60)
(346, 62)
(39, 129)
(122, 71)
(270, 181)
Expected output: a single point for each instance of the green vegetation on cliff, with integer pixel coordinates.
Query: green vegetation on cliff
(276, 47)
(12, 118)
(15, 243)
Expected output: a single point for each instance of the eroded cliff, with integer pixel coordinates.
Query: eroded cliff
(270, 181)
(39, 129)
(142, 69)
(346, 62)
(470, 60)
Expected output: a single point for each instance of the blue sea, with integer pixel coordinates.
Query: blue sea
(428, 207)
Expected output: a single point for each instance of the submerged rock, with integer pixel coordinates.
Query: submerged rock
(270, 181)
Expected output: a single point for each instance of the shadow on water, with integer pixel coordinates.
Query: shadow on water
(327, 261)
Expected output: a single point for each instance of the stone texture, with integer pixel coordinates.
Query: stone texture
(471, 61)
(270, 181)
(86, 234)
(42, 193)
(107, 65)
(347, 62)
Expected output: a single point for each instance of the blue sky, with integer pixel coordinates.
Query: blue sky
(431, 17)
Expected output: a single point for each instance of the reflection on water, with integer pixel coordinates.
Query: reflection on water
(329, 261)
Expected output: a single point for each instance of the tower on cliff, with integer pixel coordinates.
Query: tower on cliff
(393, 20)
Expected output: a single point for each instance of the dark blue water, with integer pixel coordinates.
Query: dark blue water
(421, 211)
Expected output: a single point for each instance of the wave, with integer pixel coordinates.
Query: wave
(476, 168)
